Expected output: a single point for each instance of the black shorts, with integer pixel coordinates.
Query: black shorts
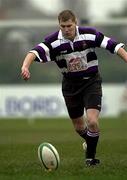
(82, 93)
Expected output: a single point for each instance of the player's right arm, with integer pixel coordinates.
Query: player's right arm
(40, 53)
(25, 73)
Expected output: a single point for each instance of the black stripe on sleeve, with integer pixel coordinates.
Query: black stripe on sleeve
(99, 39)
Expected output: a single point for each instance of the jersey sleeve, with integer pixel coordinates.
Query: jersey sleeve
(42, 52)
(107, 43)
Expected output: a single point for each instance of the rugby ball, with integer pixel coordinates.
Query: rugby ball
(48, 156)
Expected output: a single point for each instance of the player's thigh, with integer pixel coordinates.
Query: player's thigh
(74, 106)
(93, 101)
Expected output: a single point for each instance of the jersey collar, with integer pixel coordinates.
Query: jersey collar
(61, 37)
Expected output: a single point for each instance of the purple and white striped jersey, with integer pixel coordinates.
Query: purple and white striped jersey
(77, 58)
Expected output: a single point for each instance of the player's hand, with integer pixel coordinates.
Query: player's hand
(25, 73)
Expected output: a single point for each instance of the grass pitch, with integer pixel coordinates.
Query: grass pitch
(19, 141)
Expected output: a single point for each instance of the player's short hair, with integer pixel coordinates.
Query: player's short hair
(66, 15)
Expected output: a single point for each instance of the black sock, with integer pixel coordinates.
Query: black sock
(91, 140)
(82, 133)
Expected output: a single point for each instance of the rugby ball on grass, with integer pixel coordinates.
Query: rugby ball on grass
(48, 156)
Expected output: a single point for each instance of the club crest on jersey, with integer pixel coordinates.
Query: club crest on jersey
(76, 64)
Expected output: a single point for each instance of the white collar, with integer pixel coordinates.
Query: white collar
(60, 35)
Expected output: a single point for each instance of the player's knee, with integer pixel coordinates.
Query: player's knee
(93, 124)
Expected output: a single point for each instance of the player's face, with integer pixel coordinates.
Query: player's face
(68, 29)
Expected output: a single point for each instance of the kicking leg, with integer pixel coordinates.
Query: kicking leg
(80, 126)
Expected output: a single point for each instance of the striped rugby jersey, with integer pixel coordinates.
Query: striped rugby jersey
(77, 58)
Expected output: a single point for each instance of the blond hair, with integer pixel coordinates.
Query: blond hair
(66, 15)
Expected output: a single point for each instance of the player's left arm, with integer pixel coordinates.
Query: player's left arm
(122, 53)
